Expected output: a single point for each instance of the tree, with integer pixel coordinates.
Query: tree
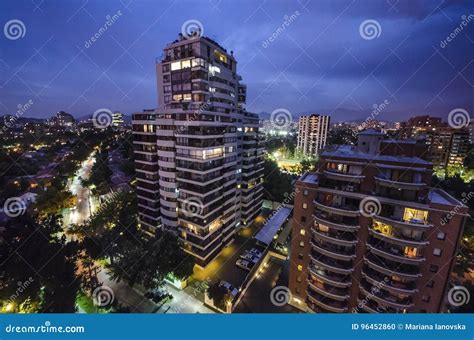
(219, 294)
(276, 183)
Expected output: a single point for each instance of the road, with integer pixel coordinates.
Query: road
(85, 204)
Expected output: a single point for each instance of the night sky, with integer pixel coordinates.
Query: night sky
(320, 62)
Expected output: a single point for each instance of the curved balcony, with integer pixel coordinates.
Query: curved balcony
(396, 240)
(335, 225)
(363, 304)
(385, 253)
(333, 252)
(344, 211)
(384, 270)
(343, 177)
(332, 280)
(342, 239)
(333, 293)
(397, 184)
(386, 299)
(332, 264)
(402, 224)
(389, 285)
(332, 306)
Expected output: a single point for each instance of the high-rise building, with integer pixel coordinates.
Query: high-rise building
(199, 156)
(117, 119)
(447, 146)
(312, 134)
(370, 235)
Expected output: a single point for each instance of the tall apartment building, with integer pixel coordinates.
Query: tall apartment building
(447, 146)
(200, 155)
(312, 134)
(370, 235)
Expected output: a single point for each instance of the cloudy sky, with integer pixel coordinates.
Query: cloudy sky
(331, 57)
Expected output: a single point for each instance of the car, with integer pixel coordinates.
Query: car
(246, 256)
(243, 264)
(255, 251)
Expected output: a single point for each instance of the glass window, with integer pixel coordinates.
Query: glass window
(175, 66)
(441, 236)
(302, 232)
(437, 252)
(186, 64)
(305, 206)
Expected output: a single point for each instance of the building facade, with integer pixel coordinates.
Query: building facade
(370, 235)
(312, 134)
(205, 157)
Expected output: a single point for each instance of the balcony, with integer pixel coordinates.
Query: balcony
(399, 223)
(333, 251)
(330, 278)
(334, 293)
(404, 272)
(386, 298)
(331, 223)
(373, 307)
(340, 210)
(397, 238)
(345, 239)
(328, 304)
(337, 266)
(399, 185)
(384, 250)
(344, 177)
(389, 284)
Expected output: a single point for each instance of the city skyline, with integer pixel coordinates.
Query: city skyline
(342, 77)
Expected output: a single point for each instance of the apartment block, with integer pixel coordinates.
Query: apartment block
(370, 235)
(312, 134)
(207, 158)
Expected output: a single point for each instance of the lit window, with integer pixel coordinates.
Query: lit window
(302, 244)
(186, 64)
(300, 268)
(305, 206)
(302, 232)
(176, 66)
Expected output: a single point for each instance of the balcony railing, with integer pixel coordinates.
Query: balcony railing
(400, 185)
(331, 278)
(344, 177)
(346, 238)
(333, 251)
(340, 210)
(386, 298)
(391, 253)
(331, 264)
(375, 278)
(391, 269)
(399, 223)
(334, 293)
(398, 239)
(334, 225)
(328, 304)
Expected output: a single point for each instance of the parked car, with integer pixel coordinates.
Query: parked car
(243, 264)
(255, 251)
